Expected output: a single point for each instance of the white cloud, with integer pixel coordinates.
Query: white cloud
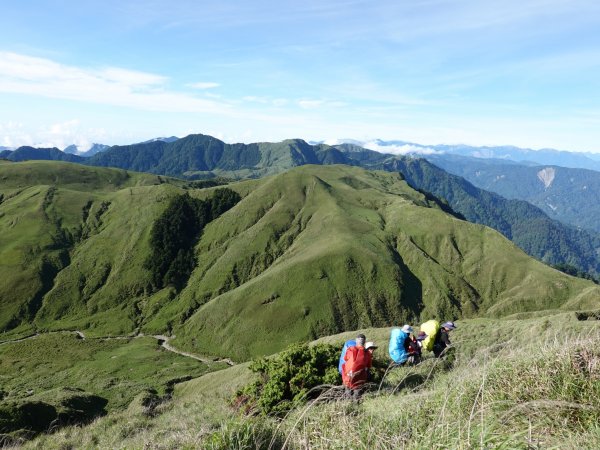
(61, 134)
(64, 127)
(310, 104)
(131, 77)
(385, 147)
(14, 135)
(402, 149)
(113, 86)
(204, 85)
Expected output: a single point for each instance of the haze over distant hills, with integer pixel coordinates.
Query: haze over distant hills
(566, 194)
(505, 152)
(92, 150)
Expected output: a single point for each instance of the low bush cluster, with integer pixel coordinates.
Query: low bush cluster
(290, 378)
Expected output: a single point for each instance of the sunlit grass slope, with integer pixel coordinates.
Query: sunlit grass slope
(319, 249)
(513, 384)
(307, 253)
(46, 211)
(117, 369)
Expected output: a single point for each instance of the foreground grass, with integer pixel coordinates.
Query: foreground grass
(513, 384)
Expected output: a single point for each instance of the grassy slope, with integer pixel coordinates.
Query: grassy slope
(321, 249)
(310, 252)
(499, 365)
(48, 209)
(306, 253)
(116, 369)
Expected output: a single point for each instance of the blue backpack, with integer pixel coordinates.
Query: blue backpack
(397, 350)
(347, 345)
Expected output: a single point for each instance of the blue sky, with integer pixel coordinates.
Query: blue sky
(433, 71)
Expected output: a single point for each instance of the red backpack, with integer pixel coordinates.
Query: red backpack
(355, 369)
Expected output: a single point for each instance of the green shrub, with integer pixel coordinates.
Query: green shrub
(289, 379)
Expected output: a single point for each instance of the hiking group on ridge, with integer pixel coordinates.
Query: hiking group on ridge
(405, 348)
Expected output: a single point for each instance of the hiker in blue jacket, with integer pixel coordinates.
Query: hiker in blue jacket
(398, 344)
(360, 340)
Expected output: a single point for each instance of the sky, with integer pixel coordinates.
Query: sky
(475, 72)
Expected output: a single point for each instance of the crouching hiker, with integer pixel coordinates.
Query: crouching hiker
(415, 348)
(442, 339)
(399, 344)
(355, 370)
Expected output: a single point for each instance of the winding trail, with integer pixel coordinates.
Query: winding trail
(163, 341)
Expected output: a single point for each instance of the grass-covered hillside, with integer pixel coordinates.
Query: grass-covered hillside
(512, 384)
(307, 253)
(200, 156)
(48, 212)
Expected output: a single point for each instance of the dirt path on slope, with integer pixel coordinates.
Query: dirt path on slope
(162, 340)
(164, 343)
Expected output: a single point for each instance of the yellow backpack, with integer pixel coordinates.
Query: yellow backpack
(431, 328)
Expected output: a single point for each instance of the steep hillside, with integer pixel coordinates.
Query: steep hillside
(513, 384)
(47, 212)
(199, 156)
(569, 195)
(332, 248)
(316, 250)
(204, 156)
(526, 225)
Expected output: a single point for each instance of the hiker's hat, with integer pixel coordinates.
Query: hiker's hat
(407, 329)
(421, 336)
(449, 325)
(369, 345)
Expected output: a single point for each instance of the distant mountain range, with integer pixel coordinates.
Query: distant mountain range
(200, 156)
(43, 154)
(162, 139)
(507, 153)
(569, 195)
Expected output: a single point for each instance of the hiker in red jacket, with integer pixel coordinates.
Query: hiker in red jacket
(355, 371)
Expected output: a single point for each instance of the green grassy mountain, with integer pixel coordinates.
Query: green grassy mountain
(200, 156)
(306, 253)
(44, 154)
(48, 211)
(526, 225)
(203, 156)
